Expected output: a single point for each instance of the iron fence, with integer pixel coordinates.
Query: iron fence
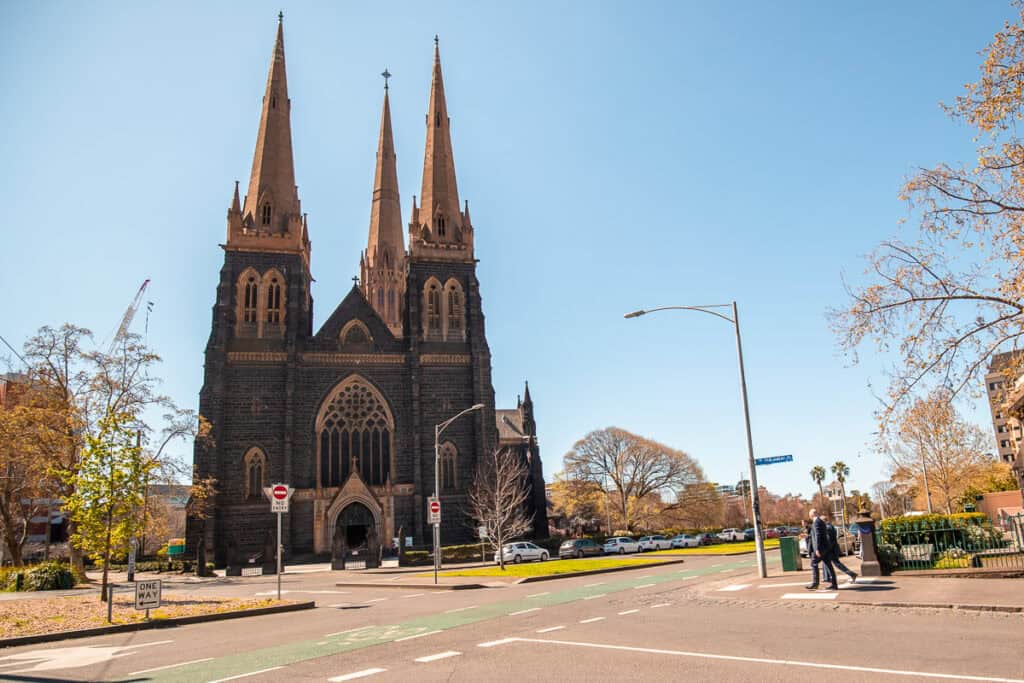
(953, 544)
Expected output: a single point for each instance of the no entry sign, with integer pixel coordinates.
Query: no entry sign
(279, 495)
(434, 508)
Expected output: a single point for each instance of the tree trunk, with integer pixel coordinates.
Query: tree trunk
(106, 560)
(74, 554)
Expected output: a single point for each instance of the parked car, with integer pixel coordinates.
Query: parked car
(522, 551)
(748, 534)
(775, 532)
(685, 541)
(620, 545)
(579, 547)
(731, 535)
(656, 542)
(708, 539)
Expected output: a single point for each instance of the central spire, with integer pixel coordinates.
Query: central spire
(272, 201)
(439, 219)
(383, 263)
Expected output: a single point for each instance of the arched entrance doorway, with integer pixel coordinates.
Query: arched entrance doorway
(356, 540)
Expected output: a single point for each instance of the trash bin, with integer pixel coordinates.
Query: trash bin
(789, 551)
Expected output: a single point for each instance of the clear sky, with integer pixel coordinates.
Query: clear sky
(615, 156)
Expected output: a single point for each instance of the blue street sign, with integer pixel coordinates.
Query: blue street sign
(772, 461)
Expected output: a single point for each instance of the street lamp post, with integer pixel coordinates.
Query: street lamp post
(735, 321)
(438, 428)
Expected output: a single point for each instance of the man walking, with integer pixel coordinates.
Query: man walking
(833, 543)
(820, 552)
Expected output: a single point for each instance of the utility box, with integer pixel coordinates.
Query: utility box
(789, 551)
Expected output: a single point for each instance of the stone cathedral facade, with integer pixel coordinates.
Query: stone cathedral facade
(345, 414)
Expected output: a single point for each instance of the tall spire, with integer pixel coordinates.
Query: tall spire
(383, 263)
(272, 203)
(439, 219)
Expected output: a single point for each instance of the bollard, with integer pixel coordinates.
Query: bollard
(869, 565)
(110, 603)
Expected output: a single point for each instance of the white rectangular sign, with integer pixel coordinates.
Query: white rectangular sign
(147, 594)
(279, 505)
(434, 511)
(482, 531)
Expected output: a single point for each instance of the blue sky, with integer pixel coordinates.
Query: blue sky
(615, 156)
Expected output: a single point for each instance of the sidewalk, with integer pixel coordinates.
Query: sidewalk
(1006, 595)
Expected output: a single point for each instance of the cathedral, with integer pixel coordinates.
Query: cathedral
(346, 414)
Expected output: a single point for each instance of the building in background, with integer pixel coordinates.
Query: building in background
(1002, 375)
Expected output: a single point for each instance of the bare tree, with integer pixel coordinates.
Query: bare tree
(949, 299)
(629, 467)
(497, 499)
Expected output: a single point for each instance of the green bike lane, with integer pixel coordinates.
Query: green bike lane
(276, 657)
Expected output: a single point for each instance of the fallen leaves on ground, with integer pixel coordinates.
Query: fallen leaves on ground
(52, 615)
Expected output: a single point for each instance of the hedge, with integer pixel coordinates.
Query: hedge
(47, 576)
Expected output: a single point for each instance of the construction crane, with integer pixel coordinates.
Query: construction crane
(126, 321)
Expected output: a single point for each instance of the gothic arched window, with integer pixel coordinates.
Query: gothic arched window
(391, 306)
(274, 301)
(432, 308)
(355, 431)
(440, 225)
(250, 303)
(380, 300)
(266, 214)
(255, 462)
(455, 316)
(448, 456)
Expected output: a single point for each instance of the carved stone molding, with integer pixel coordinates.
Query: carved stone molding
(322, 358)
(446, 359)
(257, 357)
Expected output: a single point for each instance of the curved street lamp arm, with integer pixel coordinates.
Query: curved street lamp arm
(444, 425)
(702, 309)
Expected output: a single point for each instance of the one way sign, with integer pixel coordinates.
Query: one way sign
(147, 594)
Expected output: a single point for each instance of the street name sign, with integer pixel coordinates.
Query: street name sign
(434, 508)
(147, 594)
(772, 461)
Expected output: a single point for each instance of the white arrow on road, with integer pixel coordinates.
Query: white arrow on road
(70, 657)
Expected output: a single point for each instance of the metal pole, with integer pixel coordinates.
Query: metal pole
(437, 487)
(110, 603)
(927, 491)
(754, 504)
(278, 555)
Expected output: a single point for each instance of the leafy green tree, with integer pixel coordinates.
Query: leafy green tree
(818, 475)
(840, 470)
(109, 490)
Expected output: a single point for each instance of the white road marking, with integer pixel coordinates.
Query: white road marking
(643, 585)
(246, 675)
(492, 643)
(628, 611)
(461, 609)
(661, 604)
(734, 587)
(537, 595)
(591, 620)
(765, 660)
(418, 635)
(358, 674)
(725, 571)
(549, 629)
(439, 655)
(170, 666)
(593, 597)
(524, 611)
(70, 657)
(591, 585)
(646, 576)
(783, 585)
(810, 596)
(351, 630)
(414, 595)
(320, 642)
(297, 591)
(340, 604)
(716, 565)
(377, 600)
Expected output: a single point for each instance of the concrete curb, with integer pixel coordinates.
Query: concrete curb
(609, 570)
(159, 623)
(1013, 609)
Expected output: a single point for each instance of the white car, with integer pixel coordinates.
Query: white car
(731, 535)
(620, 545)
(685, 541)
(654, 543)
(521, 551)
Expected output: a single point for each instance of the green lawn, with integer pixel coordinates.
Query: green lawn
(719, 548)
(552, 567)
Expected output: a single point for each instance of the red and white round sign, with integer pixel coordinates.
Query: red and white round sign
(280, 492)
(435, 506)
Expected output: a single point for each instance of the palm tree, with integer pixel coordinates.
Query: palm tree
(841, 471)
(818, 475)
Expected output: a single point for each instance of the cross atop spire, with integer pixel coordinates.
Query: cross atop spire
(386, 74)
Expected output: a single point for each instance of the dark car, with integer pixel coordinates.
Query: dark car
(748, 534)
(708, 539)
(578, 547)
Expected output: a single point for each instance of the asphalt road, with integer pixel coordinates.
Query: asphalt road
(652, 624)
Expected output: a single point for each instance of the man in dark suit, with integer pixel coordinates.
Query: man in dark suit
(819, 549)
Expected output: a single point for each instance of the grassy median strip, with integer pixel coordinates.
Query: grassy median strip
(719, 549)
(553, 567)
(52, 615)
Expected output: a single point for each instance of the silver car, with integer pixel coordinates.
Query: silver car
(521, 551)
(654, 543)
(620, 545)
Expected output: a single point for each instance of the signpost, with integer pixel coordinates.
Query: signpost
(773, 461)
(434, 518)
(280, 495)
(482, 531)
(147, 595)
(131, 560)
